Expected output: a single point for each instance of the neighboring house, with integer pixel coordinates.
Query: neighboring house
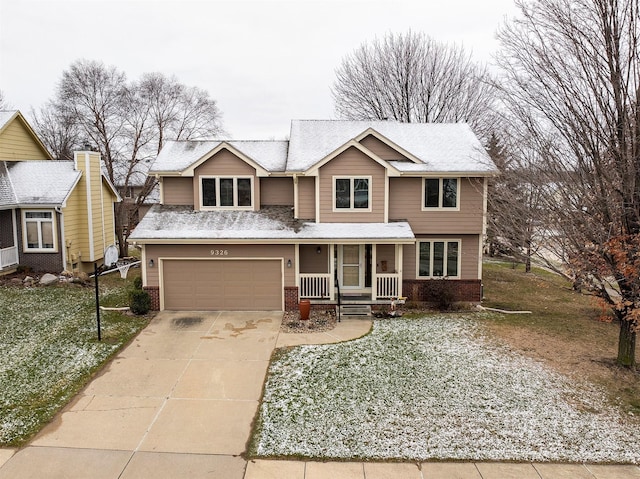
(54, 215)
(387, 209)
(131, 183)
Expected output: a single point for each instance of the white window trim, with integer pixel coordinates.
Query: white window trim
(25, 247)
(438, 240)
(440, 197)
(235, 179)
(351, 209)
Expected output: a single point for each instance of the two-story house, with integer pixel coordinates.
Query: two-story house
(370, 210)
(54, 215)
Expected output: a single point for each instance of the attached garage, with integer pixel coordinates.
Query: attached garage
(222, 284)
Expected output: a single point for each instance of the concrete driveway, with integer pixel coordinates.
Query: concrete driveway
(177, 402)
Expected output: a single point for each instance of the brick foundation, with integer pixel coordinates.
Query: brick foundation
(430, 290)
(154, 294)
(290, 298)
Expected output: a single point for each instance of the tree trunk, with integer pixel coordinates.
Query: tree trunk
(627, 345)
(119, 224)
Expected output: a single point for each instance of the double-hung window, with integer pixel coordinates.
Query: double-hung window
(217, 192)
(440, 193)
(352, 193)
(439, 258)
(38, 231)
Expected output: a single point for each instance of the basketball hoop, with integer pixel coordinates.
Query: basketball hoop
(123, 268)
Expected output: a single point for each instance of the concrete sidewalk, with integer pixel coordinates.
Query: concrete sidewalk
(179, 402)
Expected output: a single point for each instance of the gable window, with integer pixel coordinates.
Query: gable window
(38, 231)
(352, 193)
(439, 258)
(226, 192)
(440, 193)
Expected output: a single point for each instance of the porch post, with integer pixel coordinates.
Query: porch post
(296, 266)
(332, 271)
(374, 272)
(399, 259)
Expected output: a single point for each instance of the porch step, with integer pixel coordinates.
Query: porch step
(357, 311)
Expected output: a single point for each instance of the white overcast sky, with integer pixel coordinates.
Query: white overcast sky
(265, 62)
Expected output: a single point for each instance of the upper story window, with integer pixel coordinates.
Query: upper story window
(226, 192)
(440, 193)
(439, 258)
(38, 231)
(352, 193)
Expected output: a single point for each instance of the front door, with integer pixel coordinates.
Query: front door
(350, 261)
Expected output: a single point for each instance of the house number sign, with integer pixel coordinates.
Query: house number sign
(219, 252)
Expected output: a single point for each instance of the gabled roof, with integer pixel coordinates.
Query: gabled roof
(179, 156)
(8, 116)
(37, 182)
(438, 147)
(429, 147)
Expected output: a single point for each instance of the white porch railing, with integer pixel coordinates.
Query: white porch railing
(315, 285)
(387, 285)
(8, 257)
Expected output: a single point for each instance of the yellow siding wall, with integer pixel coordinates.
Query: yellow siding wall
(17, 143)
(77, 215)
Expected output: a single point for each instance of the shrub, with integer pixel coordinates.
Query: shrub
(137, 283)
(139, 301)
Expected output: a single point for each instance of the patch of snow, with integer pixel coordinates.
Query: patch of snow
(433, 388)
(184, 223)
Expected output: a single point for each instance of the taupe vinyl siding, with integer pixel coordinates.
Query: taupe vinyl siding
(234, 251)
(385, 253)
(177, 191)
(225, 163)
(311, 261)
(469, 255)
(405, 203)
(381, 149)
(306, 198)
(276, 191)
(352, 163)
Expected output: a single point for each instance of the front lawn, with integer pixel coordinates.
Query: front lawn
(436, 387)
(49, 348)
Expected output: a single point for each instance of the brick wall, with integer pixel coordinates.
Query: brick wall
(154, 294)
(429, 290)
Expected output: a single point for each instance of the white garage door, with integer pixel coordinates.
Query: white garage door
(235, 285)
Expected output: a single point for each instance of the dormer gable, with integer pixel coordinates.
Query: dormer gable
(313, 171)
(259, 170)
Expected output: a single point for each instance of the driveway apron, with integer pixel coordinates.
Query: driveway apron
(177, 402)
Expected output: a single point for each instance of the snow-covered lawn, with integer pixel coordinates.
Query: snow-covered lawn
(48, 348)
(433, 388)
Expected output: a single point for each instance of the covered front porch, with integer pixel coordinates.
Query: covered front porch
(349, 273)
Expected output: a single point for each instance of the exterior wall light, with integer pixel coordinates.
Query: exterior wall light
(318, 250)
(288, 263)
(151, 263)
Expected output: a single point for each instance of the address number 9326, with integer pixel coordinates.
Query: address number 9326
(219, 252)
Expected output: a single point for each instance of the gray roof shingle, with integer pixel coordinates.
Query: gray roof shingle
(45, 182)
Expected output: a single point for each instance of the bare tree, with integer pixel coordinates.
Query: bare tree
(516, 223)
(128, 122)
(571, 82)
(4, 105)
(413, 78)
